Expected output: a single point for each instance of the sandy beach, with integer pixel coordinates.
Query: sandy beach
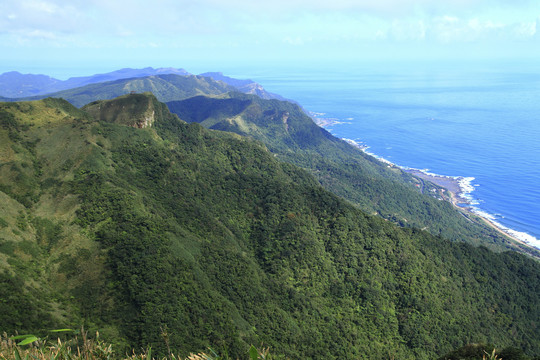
(455, 193)
(451, 184)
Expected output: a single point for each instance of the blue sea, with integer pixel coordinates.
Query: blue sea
(479, 121)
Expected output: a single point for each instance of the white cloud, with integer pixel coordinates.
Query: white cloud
(408, 30)
(273, 25)
(525, 30)
(452, 29)
(42, 7)
(296, 41)
(38, 34)
(43, 16)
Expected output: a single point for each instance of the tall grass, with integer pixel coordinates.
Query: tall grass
(81, 347)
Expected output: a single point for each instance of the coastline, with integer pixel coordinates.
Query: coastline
(454, 186)
(457, 191)
(454, 189)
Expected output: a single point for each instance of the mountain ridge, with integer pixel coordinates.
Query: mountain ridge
(165, 87)
(17, 86)
(245, 86)
(349, 177)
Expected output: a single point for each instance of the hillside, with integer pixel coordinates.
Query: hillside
(164, 87)
(16, 85)
(169, 229)
(340, 167)
(244, 86)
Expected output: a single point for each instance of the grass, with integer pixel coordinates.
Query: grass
(82, 347)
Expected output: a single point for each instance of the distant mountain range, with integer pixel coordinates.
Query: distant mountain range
(168, 87)
(17, 86)
(245, 86)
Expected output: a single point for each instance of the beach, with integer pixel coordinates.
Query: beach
(456, 190)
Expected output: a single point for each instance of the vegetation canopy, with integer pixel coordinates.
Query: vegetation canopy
(207, 237)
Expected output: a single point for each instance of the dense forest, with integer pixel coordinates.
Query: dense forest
(164, 230)
(341, 168)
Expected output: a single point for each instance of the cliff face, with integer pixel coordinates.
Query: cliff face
(135, 110)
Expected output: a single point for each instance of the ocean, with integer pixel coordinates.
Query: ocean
(478, 121)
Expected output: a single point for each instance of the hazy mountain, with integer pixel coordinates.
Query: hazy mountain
(218, 76)
(244, 86)
(164, 87)
(122, 217)
(126, 73)
(16, 85)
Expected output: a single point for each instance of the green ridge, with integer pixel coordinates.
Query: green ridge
(340, 167)
(164, 87)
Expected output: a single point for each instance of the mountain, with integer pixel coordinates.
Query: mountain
(237, 83)
(135, 111)
(244, 86)
(125, 73)
(164, 87)
(340, 167)
(165, 234)
(16, 85)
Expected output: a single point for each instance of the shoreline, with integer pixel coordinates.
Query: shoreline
(454, 189)
(458, 190)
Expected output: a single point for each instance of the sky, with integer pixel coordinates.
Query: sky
(202, 35)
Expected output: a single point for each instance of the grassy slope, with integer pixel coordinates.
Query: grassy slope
(205, 235)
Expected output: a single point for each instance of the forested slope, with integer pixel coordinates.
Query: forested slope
(205, 236)
(340, 167)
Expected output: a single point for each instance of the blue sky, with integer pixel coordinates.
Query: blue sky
(203, 35)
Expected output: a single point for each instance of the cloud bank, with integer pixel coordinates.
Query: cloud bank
(212, 26)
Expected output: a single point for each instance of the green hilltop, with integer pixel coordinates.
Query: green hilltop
(173, 236)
